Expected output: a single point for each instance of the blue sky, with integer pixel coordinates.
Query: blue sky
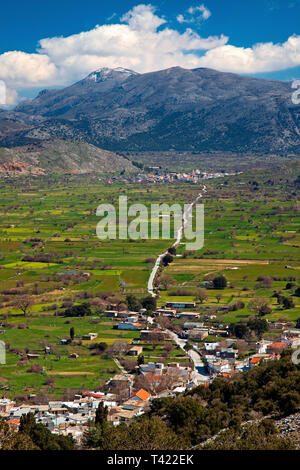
(52, 44)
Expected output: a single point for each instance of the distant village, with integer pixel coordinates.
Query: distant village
(193, 177)
(211, 351)
(155, 174)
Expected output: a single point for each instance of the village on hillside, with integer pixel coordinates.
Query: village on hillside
(210, 350)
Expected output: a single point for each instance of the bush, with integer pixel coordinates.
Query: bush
(220, 282)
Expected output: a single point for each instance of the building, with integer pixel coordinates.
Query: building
(216, 332)
(140, 395)
(292, 333)
(197, 334)
(277, 325)
(135, 351)
(129, 326)
(132, 319)
(33, 356)
(191, 325)
(110, 313)
(165, 312)
(153, 335)
(90, 336)
(219, 366)
(152, 368)
(187, 315)
(6, 405)
(181, 304)
(74, 355)
(276, 348)
(261, 346)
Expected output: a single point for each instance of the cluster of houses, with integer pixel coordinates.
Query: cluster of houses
(220, 356)
(72, 417)
(223, 360)
(194, 177)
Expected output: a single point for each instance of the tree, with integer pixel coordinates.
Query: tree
(42, 437)
(240, 330)
(133, 303)
(118, 348)
(101, 415)
(201, 295)
(24, 302)
(288, 303)
(80, 310)
(166, 281)
(72, 333)
(149, 303)
(167, 259)
(258, 325)
(265, 281)
(220, 282)
(219, 297)
(260, 306)
(10, 440)
(297, 292)
(141, 359)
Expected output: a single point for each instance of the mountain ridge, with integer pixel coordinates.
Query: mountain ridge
(197, 109)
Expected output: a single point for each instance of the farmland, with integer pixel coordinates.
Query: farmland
(49, 251)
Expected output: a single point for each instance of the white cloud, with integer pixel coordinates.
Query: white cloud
(143, 41)
(194, 14)
(22, 69)
(137, 43)
(263, 57)
(143, 18)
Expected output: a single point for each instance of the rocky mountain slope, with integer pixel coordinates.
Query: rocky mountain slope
(198, 110)
(60, 156)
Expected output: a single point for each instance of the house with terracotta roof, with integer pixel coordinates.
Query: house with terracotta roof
(13, 424)
(276, 347)
(140, 395)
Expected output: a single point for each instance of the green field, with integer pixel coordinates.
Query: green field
(49, 250)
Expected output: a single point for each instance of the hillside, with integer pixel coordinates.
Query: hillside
(199, 110)
(60, 156)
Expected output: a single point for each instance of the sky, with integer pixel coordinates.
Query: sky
(52, 44)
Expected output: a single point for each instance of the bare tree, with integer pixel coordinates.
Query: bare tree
(118, 347)
(201, 295)
(24, 302)
(166, 281)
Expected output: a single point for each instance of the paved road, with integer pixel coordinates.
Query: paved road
(187, 214)
(199, 374)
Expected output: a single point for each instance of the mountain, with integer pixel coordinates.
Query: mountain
(199, 110)
(60, 156)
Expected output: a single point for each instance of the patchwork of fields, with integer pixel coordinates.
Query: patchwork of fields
(49, 250)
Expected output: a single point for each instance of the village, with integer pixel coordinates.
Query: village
(156, 175)
(210, 350)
